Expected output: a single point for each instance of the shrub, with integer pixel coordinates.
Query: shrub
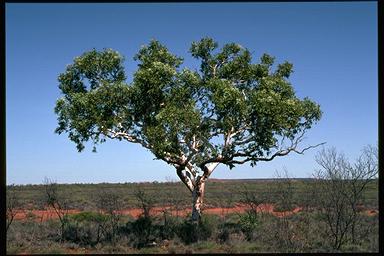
(187, 232)
(89, 216)
(169, 227)
(225, 230)
(190, 232)
(140, 231)
(208, 226)
(248, 223)
(70, 232)
(86, 228)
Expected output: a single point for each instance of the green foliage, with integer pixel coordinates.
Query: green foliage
(189, 232)
(226, 228)
(179, 112)
(89, 216)
(92, 68)
(169, 227)
(248, 223)
(141, 231)
(80, 228)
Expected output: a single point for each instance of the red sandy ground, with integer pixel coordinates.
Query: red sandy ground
(43, 215)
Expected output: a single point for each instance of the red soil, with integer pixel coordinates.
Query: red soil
(43, 215)
(40, 215)
(371, 212)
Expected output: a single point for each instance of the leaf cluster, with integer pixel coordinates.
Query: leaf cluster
(231, 107)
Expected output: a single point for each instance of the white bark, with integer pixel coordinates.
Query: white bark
(185, 179)
(199, 191)
(211, 167)
(198, 197)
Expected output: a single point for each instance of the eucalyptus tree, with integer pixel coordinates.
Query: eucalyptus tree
(231, 111)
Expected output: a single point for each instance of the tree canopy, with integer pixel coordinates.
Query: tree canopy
(230, 111)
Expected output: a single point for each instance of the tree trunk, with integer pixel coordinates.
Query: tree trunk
(198, 197)
(196, 185)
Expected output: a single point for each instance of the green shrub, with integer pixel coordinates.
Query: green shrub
(146, 230)
(89, 216)
(70, 232)
(187, 231)
(208, 226)
(140, 231)
(223, 235)
(248, 223)
(169, 228)
(225, 230)
(190, 232)
(86, 228)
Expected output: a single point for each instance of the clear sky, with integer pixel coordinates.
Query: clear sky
(333, 47)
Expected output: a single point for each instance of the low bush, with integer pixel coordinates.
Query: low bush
(226, 230)
(86, 228)
(248, 223)
(190, 232)
(168, 228)
(89, 216)
(140, 231)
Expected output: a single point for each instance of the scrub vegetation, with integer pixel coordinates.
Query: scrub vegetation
(335, 211)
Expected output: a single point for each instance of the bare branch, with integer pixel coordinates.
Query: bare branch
(249, 157)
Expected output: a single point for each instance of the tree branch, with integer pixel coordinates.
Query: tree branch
(114, 134)
(185, 179)
(249, 157)
(278, 153)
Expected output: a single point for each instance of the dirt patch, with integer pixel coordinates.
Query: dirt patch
(239, 208)
(40, 215)
(262, 208)
(43, 215)
(371, 212)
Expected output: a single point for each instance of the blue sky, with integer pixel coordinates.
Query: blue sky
(333, 47)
